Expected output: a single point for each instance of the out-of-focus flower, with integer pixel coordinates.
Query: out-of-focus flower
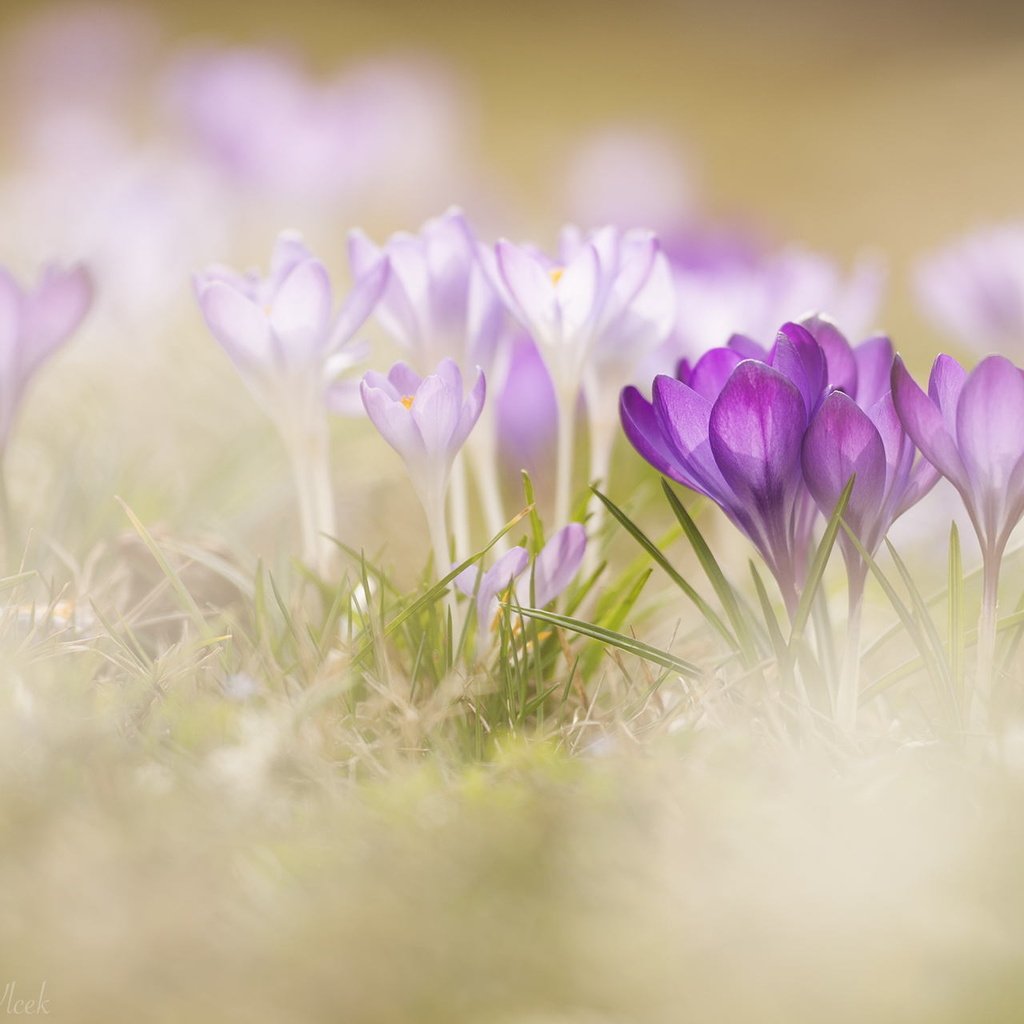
(439, 303)
(973, 288)
(288, 345)
(628, 175)
(970, 427)
(594, 314)
(527, 416)
(733, 430)
(280, 330)
(426, 420)
(554, 568)
(34, 324)
(737, 292)
(280, 134)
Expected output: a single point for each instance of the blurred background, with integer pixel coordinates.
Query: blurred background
(152, 139)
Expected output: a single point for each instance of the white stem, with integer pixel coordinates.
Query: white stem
(434, 509)
(482, 448)
(567, 400)
(848, 697)
(458, 506)
(308, 445)
(602, 441)
(979, 715)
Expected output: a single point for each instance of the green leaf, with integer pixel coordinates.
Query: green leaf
(818, 564)
(617, 640)
(722, 587)
(659, 558)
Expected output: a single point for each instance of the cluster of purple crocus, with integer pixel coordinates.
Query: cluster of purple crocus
(774, 435)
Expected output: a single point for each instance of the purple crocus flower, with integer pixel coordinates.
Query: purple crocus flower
(426, 420)
(34, 324)
(732, 429)
(844, 440)
(280, 330)
(973, 289)
(554, 569)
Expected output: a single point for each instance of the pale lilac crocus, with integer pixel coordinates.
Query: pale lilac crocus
(34, 323)
(554, 568)
(426, 420)
(440, 303)
(973, 288)
(592, 312)
(289, 346)
(970, 427)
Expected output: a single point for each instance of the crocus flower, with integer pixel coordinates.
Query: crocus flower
(594, 314)
(731, 291)
(554, 569)
(34, 324)
(973, 289)
(288, 345)
(426, 420)
(970, 427)
(733, 430)
(440, 303)
(281, 331)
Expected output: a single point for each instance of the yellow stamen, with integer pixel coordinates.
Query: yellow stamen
(556, 274)
(407, 401)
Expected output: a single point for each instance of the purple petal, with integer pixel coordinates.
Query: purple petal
(713, 369)
(874, 368)
(395, 423)
(496, 580)
(472, 406)
(842, 441)
(842, 366)
(404, 379)
(683, 417)
(527, 414)
(800, 358)
(557, 564)
(436, 409)
(238, 324)
(944, 386)
(301, 311)
(923, 422)
(643, 429)
(756, 428)
(366, 292)
(990, 425)
(531, 288)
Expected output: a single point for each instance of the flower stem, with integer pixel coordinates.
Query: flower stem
(308, 447)
(849, 678)
(984, 682)
(437, 525)
(565, 457)
(602, 439)
(458, 505)
(482, 452)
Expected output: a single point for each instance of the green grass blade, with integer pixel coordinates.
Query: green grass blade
(722, 587)
(617, 640)
(818, 564)
(673, 574)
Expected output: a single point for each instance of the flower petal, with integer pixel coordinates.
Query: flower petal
(842, 441)
(238, 324)
(755, 429)
(557, 564)
(301, 311)
(923, 422)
